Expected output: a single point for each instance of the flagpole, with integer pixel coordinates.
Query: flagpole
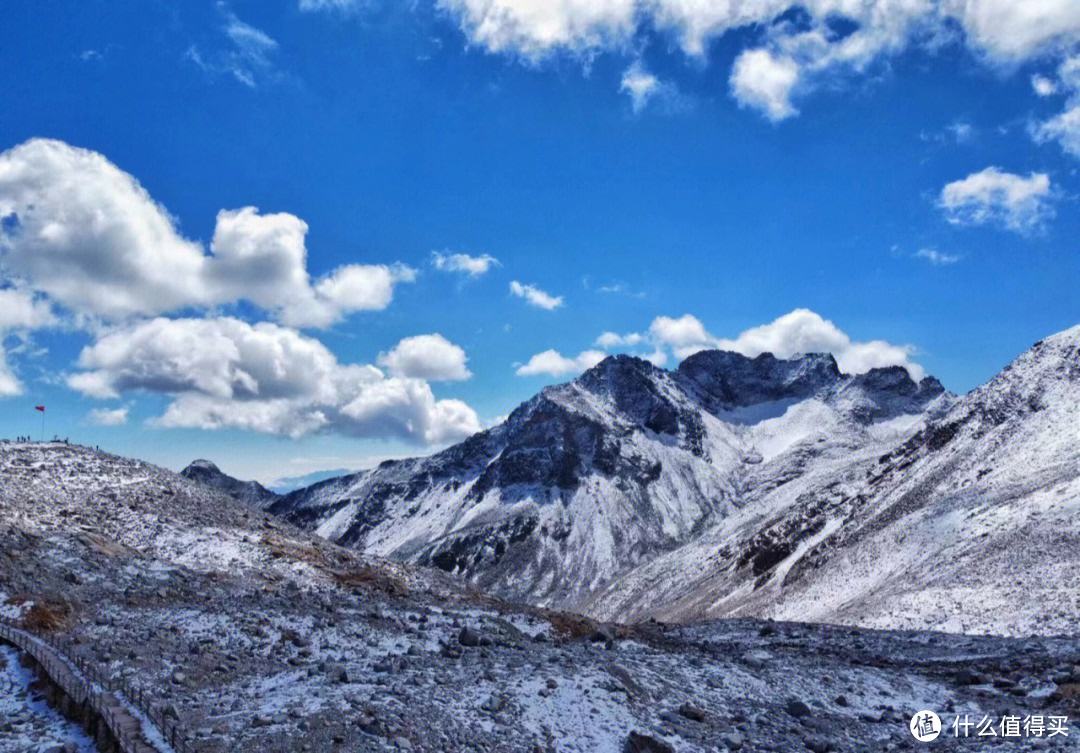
(43, 427)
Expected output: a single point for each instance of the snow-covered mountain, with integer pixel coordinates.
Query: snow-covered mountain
(590, 482)
(970, 525)
(249, 492)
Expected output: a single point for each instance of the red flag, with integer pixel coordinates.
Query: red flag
(40, 408)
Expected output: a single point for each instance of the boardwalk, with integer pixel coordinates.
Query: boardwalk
(124, 726)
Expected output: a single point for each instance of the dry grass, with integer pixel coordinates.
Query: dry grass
(366, 576)
(571, 627)
(297, 552)
(46, 616)
(104, 545)
(347, 576)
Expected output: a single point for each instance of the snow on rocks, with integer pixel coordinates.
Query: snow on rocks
(27, 723)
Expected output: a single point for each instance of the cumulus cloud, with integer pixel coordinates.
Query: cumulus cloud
(684, 335)
(22, 310)
(226, 373)
(82, 237)
(553, 363)
(88, 235)
(764, 81)
(804, 331)
(534, 296)
(430, 357)
(1011, 30)
(993, 196)
(535, 28)
(799, 331)
(108, 416)
(473, 266)
(609, 340)
(785, 53)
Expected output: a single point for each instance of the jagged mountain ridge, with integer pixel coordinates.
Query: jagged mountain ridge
(589, 480)
(249, 492)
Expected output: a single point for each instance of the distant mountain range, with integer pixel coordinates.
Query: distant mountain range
(252, 492)
(755, 487)
(292, 483)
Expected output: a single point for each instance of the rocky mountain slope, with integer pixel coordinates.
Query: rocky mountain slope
(591, 480)
(970, 526)
(249, 492)
(753, 487)
(257, 637)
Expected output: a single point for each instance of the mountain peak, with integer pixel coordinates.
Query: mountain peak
(200, 465)
(250, 492)
(723, 379)
(1047, 373)
(617, 368)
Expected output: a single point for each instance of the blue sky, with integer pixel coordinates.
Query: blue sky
(906, 185)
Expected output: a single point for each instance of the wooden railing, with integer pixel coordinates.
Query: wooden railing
(112, 700)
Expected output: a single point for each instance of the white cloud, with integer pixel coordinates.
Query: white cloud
(1017, 30)
(248, 58)
(684, 335)
(227, 373)
(639, 85)
(787, 54)
(1043, 86)
(473, 266)
(534, 296)
(634, 343)
(10, 386)
(764, 81)
(935, 257)
(20, 312)
(553, 363)
(804, 331)
(797, 332)
(962, 132)
(78, 233)
(108, 417)
(89, 236)
(800, 331)
(1063, 128)
(535, 28)
(609, 340)
(993, 196)
(430, 357)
